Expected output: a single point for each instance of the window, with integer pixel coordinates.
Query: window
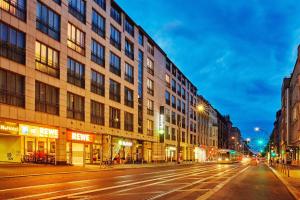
(115, 37)
(173, 83)
(168, 64)
(183, 107)
(98, 83)
(174, 70)
(141, 38)
(57, 1)
(173, 101)
(46, 98)
(12, 88)
(167, 97)
(77, 9)
(150, 66)
(150, 127)
(114, 118)
(115, 64)
(129, 73)
(140, 74)
(174, 118)
(150, 48)
(178, 89)
(168, 82)
(98, 53)
(76, 73)
(128, 121)
(179, 105)
(101, 3)
(167, 115)
(12, 43)
(183, 122)
(76, 39)
(47, 21)
(46, 59)
(167, 131)
(150, 87)
(115, 13)
(183, 136)
(183, 93)
(129, 27)
(75, 109)
(114, 91)
(15, 7)
(98, 23)
(128, 101)
(129, 49)
(173, 134)
(150, 107)
(97, 113)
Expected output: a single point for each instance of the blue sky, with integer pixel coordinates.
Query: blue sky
(235, 52)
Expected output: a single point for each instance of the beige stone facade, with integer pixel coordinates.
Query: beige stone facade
(102, 140)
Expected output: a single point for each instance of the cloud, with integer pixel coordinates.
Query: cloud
(236, 53)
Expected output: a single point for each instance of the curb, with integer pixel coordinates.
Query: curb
(96, 169)
(290, 188)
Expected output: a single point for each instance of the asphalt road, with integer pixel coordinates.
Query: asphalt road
(174, 182)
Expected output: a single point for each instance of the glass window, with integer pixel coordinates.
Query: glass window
(167, 97)
(97, 113)
(12, 88)
(77, 9)
(150, 127)
(98, 23)
(47, 21)
(76, 73)
(129, 73)
(150, 107)
(129, 49)
(115, 13)
(150, 48)
(76, 39)
(98, 83)
(16, 8)
(12, 43)
(173, 101)
(140, 73)
(46, 59)
(115, 64)
(98, 53)
(150, 66)
(141, 38)
(75, 106)
(101, 3)
(115, 37)
(129, 27)
(150, 87)
(128, 101)
(46, 98)
(128, 123)
(114, 117)
(114, 91)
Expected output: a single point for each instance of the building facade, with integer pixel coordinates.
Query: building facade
(82, 83)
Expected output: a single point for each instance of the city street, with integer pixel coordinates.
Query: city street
(172, 182)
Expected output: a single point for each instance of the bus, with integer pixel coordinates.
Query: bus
(228, 156)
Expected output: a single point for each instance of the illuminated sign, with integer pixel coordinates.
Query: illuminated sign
(35, 131)
(79, 136)
(161, 121)
(9, 127)
(125, 143)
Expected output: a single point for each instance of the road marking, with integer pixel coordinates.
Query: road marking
(86, 180)
(196, 182)
(117, 186)
(220, 186)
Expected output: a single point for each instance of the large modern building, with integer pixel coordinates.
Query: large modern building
(81, 82)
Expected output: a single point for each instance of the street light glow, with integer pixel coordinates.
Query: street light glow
(256, 129)
(200, 108)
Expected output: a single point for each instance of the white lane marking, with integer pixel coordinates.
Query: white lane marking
(194, 183)
(220, 186)
(80, 181)
(37, 195)
(115, 187)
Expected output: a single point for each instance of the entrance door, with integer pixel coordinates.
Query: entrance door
(77, 153)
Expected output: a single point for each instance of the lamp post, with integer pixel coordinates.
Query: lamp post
(258, 129)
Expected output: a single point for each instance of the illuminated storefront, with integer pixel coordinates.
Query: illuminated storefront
(200, 154)
(170, 153)
(38, 143)
(10, 143)
(122, 150)
(83, 148)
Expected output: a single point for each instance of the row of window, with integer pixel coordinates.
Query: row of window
(12, 92)
(180, 105)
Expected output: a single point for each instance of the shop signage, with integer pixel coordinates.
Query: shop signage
(161, 121)
(79, 136)
(35, 131)
(9, 127)
(125, 143)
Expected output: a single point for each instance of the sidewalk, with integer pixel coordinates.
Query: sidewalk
(18, 170)
(292, 182)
